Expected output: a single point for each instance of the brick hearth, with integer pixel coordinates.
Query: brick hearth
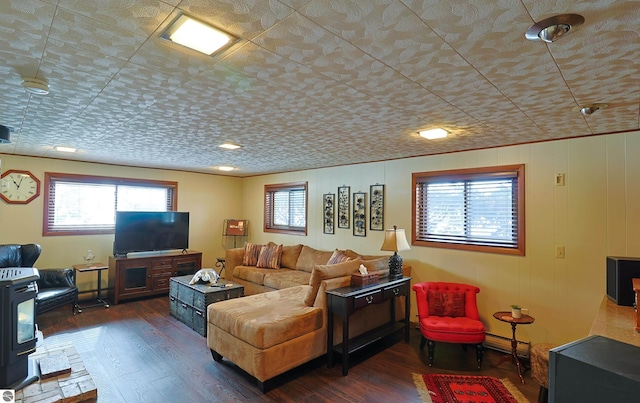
(77, 386)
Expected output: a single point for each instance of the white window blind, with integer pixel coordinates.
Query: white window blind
(79, 204)
(479, 209)
(286, 208)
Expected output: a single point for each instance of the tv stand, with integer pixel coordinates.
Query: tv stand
(149, 274)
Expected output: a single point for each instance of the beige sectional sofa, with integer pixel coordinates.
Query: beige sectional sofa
(282, 322)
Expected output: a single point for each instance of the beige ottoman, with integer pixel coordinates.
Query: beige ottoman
(540, 368)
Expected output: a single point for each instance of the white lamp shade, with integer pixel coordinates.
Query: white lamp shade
(395, 240)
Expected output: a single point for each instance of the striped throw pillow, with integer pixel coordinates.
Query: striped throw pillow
(338, 256)
(251, 253)
(270, 256)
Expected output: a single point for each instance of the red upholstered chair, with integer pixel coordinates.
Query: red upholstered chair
(448, 313)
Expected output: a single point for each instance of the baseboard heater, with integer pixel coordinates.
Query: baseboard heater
(501, 343)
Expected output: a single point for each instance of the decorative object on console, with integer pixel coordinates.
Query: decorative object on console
(394, 241)
(376, 210)
(363, 277)
(328, 209)
(343, 206)
(19, 187)
(359, 214)
(205, 276)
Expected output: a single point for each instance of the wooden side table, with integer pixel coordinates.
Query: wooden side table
(99, 267)
(505, 316)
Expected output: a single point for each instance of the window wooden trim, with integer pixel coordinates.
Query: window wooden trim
(268, 213)
(466, 174)
(51, 177)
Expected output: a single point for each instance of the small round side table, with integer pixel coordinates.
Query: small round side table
(505, 316)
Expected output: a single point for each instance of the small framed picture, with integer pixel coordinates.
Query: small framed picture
(344, 206)
(376, 210)
(359, 214)
(328, 210)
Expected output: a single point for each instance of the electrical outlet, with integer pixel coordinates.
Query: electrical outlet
(560, 252)
(559, 179)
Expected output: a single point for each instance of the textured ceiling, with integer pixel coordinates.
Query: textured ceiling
(312, 83)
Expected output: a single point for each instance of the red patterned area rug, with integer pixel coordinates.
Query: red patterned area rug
(435, 388)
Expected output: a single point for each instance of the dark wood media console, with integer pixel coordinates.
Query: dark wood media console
(147, 275)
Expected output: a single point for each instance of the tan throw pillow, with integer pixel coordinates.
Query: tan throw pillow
(270, 256)
(251, 253)
(290, 256)
(446, 303)
(338, 257)
(309, 257)
(323, 272)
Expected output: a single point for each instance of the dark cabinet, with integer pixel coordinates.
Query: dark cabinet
(134, 277)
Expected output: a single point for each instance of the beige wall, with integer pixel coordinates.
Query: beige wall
(594, 215)
(209, 199)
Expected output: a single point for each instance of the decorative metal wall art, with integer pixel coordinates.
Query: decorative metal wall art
(359, 214)
(376, 210)
(343, 206)
(328, 208)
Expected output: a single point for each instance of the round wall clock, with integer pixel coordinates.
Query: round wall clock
(19, 187)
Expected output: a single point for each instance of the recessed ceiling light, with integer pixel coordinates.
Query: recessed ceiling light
(433, 134)
(553, 28)
(65, 149)
(590, 109)
(196, 35)
(35, 86)
(225, 168)
(229, 146)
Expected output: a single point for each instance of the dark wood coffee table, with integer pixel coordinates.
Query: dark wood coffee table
(188, 302)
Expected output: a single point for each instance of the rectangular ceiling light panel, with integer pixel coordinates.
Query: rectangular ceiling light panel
(196, 35)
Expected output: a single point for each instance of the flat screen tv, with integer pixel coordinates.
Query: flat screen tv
(142, 231)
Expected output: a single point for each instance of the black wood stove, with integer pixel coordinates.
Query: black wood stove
(18, 291)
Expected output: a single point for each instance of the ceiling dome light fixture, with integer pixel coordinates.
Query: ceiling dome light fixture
(35, 86)
(590, 109)
(553, 28)
(4, 134)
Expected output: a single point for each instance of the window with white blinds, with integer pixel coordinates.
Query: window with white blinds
(478, 209)
(285, 208)
(80, 204)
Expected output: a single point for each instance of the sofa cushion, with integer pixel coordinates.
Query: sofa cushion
(286, 278)
(309, 257)
(338, 256)
(254, 274)
(269, 257)
(290, 256)
(323, 272)
(267, 319)
(251, 253)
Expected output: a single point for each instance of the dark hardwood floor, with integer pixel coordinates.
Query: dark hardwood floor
(137, 352)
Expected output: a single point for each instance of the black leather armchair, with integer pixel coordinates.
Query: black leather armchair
(56, 287)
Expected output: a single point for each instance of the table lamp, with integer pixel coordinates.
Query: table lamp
(395, 240)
